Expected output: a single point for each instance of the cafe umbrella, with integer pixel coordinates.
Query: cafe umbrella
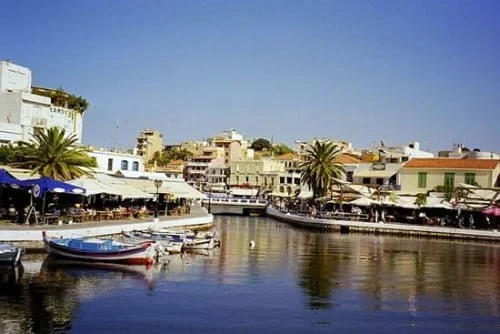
(8, 179)
(40, 188)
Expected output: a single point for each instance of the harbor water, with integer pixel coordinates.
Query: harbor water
(290, 281)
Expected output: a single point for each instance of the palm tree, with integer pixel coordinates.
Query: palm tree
(321, 166)
(53, 154)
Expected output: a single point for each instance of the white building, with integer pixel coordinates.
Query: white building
(23, 114)
(111, 162)
(399, 154)
(301, 146)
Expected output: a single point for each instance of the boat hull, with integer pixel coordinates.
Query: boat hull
(137, 255)
(209, 243)
(11, 257)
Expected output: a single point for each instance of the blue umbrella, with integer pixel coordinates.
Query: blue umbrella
(8, 178)
(46, 184)
(40, 187)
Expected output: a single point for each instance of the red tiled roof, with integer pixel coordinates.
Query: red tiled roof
(451, 163)
(348, 159)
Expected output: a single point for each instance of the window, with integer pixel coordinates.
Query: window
(449, 181)
(124, 165)
(349, 176)
(282, 179)
(296, 181)
(237, 180)
(366, 180)
(470, 178)
(289, 180)
(422, 180)
(110, 164)
(282, 189)
(246, 179)
(380, 181)
(135, 166)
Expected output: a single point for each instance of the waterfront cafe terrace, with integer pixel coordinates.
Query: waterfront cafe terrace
(101, 197)
(476, 207)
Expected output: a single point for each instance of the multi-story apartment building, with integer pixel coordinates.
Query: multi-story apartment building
(421, 175)
(257, 174)
(233, 145)
(148, 143)
(197, 169)
(27, 110)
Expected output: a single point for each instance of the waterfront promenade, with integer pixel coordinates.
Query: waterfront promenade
(346, 226)
(30, 237)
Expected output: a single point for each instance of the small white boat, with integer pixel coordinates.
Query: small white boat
(201, 243)
(10, 254)
(191, 240)
(171, 245)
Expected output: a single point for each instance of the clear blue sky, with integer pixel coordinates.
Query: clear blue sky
(355, 70)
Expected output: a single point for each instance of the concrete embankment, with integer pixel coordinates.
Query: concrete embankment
(30, 237)
(345, 226)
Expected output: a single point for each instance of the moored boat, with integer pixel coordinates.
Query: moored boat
(10, 254)
(201, 243)
(101, 250)
(170, 244)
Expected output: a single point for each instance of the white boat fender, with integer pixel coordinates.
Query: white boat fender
(252, 244)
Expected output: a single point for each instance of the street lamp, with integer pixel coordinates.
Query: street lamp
(158, 184)
(210, 199)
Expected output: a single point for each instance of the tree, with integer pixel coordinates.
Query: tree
(53, 154)
(261, 144)
(321, 166)
(7, 154)
(280, 149)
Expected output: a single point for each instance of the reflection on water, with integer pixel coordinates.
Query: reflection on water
(293, 280)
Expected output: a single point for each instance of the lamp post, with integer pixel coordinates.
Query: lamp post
(209, 199)
(158, 184)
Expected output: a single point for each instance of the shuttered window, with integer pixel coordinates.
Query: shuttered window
(422, 180)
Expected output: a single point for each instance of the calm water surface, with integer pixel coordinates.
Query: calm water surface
(292, 281)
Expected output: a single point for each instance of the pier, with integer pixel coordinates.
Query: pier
(30, 237)
(347, 226)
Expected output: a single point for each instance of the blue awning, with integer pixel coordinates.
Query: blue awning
(46, 184)
(7, 178)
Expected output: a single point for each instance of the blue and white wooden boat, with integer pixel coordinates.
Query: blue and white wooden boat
(10, 254)
(101, 250)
